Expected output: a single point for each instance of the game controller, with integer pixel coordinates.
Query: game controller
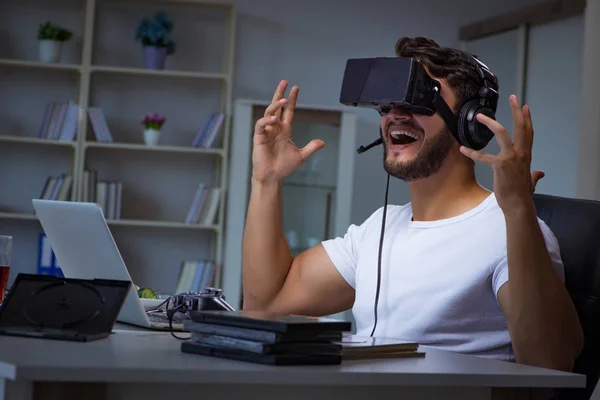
(183, 304)
(208, 299)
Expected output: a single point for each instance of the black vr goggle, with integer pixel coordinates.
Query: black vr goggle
(383, 83)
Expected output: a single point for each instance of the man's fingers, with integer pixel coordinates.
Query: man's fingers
(518, 121)
(516, 111)
(279, 93)
(528, 138)
(288, 113)
(499, 131)
(477, 155)
(535, 177)
(275, 108)
(310, 148)
(262, 123)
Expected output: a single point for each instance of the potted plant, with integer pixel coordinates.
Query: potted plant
(155, 36)
(152, 123)
(50, 37)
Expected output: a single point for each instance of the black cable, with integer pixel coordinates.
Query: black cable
(387, 187)
(170, 314)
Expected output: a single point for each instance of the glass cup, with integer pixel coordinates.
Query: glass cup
(5, 254)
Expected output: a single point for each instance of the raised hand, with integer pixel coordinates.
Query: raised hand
(514, 183)
(275, 156)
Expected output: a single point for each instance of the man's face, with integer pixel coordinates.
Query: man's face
(416, 146)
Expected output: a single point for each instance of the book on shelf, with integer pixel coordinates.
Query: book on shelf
(205, 205)
(195, 275)
(211, 127)
(107, 194)
(108, 197)
(57, 188)
(46, 260)
(88, 187)
(99, 125)
(60, 121)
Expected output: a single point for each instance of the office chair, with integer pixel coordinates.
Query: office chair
(576, 225)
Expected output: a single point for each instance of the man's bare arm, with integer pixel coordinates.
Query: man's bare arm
(273, 280)
(542, 321)
(265, 252)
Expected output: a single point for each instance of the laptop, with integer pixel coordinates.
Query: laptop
(85, 248)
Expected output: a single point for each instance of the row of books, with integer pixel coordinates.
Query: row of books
(59, 121)
(57, 188)
(195, 275)
(205, 205)
(207, 134)
(106, 193)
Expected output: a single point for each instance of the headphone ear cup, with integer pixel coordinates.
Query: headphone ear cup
(463, 125)
(472, 133)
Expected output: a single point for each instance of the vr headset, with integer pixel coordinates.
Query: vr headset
(383, 83)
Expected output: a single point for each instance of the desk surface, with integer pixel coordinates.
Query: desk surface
(147, 356)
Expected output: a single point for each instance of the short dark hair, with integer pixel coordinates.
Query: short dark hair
(452, 65)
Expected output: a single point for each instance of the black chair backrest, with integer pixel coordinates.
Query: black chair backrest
(576, 225)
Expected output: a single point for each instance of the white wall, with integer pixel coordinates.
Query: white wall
(553, 90)
(588, 184)
(542, 65)
(307, 42)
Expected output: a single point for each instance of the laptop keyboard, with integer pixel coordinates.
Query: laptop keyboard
(161, 318)
(158, 317)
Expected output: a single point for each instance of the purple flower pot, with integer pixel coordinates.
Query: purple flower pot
(154, 57)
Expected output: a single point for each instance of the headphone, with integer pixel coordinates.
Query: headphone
(470, 132)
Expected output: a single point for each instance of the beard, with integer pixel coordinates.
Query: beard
(429, 160)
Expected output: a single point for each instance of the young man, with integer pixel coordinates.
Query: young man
(446, 256)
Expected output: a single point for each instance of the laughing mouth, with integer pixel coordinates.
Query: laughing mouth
(402, 137)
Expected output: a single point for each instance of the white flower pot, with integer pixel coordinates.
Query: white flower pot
(49, 50)
(151, 136)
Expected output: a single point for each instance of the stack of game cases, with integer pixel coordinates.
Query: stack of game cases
(266, 338)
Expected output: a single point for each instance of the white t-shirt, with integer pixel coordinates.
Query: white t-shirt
(439, 280)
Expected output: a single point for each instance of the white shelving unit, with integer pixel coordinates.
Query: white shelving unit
(102, 66)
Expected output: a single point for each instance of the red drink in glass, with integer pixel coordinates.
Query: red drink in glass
(4, 271)
(5, 254)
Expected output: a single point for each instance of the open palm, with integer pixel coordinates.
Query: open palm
(275, 156)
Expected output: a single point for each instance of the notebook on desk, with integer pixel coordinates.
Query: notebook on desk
(362, 347)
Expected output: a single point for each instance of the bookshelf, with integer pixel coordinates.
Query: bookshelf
(102, 66)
